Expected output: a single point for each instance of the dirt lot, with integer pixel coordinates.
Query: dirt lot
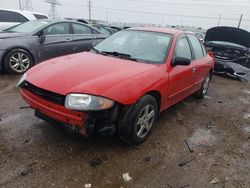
(36, 154)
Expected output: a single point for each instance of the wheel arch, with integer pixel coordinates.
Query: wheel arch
(13, 48)
(157, 95)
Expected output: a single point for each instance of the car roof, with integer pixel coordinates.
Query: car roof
(159, 30)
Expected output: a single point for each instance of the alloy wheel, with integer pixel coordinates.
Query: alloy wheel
(145, 121)
(206, 85)
(19, 62)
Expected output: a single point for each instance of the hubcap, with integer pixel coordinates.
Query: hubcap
(145, 121)
(206, 85)
(19, 62)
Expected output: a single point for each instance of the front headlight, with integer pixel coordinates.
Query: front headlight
(1, 40)
(87, 102)
(22, 79)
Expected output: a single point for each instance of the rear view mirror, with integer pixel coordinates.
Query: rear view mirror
(181, 61)
(41, 37)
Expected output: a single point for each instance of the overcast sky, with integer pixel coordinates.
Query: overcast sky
(200, 13)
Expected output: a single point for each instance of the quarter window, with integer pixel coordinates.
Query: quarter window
(57, 29)
(183, 49)
(196, 44)
(39, 16)
(81, 29)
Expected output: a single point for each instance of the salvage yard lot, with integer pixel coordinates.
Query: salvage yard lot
(35, 154)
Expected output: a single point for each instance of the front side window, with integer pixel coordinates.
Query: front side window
(148, 47)
(57, 29)
(196, 44)
(81, 29)
(182, 48)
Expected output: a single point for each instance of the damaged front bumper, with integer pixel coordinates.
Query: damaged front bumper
(233, 69)
(85, 123)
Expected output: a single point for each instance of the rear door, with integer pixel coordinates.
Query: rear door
(83, 37)
(181, 77)
(201, 61)
(58, 41)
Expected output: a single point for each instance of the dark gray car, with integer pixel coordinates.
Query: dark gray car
(27, 44)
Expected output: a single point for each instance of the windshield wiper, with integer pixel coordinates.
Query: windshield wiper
(118, 54)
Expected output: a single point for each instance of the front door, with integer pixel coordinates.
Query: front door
(181, 78)
(58, 41)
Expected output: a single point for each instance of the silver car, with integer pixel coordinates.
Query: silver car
(29, 43)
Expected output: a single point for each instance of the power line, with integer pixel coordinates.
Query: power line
(53, 12)
(165, 14)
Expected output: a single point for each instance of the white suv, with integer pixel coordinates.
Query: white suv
(9, 18)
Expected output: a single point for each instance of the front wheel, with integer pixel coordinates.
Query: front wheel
(204, 88)
(17, 61)
(138, 120)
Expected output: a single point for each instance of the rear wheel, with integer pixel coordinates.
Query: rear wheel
(204, 88)
(17, 61)
(137, 123)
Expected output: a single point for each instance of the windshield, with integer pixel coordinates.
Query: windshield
(149, 47)
(28, 27)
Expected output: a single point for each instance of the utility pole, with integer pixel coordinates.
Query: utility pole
(25, 5)
(107, 16)
(53, 12)
(89, 5)
(219, 19)
(20, 5)
(240, 20)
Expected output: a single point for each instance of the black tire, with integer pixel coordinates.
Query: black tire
(204, 88)
(128, 124)
(24, 64)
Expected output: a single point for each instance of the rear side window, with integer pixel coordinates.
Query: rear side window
(57, 29)
(39, 16)
(182, 48)
(8, 16)
(196, 44)
(81, 29)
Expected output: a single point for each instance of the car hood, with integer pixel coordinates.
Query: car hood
(4, 35)
(85, 72)
(229, 34)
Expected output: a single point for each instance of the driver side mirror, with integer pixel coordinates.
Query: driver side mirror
(41, 37)
(181, 61)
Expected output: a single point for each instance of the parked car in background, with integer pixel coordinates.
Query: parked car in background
(104, 29)
(200, 35)
(77, 20)
(27, 44)
(122, 84)
(116, 28)
(12, 17)
(231, 48)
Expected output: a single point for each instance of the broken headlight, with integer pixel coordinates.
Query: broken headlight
(87, 102)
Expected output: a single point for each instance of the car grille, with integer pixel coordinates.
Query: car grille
(48, 95)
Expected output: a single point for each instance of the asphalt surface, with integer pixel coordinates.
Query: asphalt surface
(195, 144)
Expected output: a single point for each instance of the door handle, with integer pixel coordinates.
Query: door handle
(67, 40)
(194, 70)
(209, 63)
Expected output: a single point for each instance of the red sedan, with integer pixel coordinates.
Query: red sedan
(122, 84)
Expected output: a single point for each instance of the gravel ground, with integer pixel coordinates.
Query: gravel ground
(216, 129)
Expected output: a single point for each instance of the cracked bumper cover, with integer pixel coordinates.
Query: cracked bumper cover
(54, 113)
